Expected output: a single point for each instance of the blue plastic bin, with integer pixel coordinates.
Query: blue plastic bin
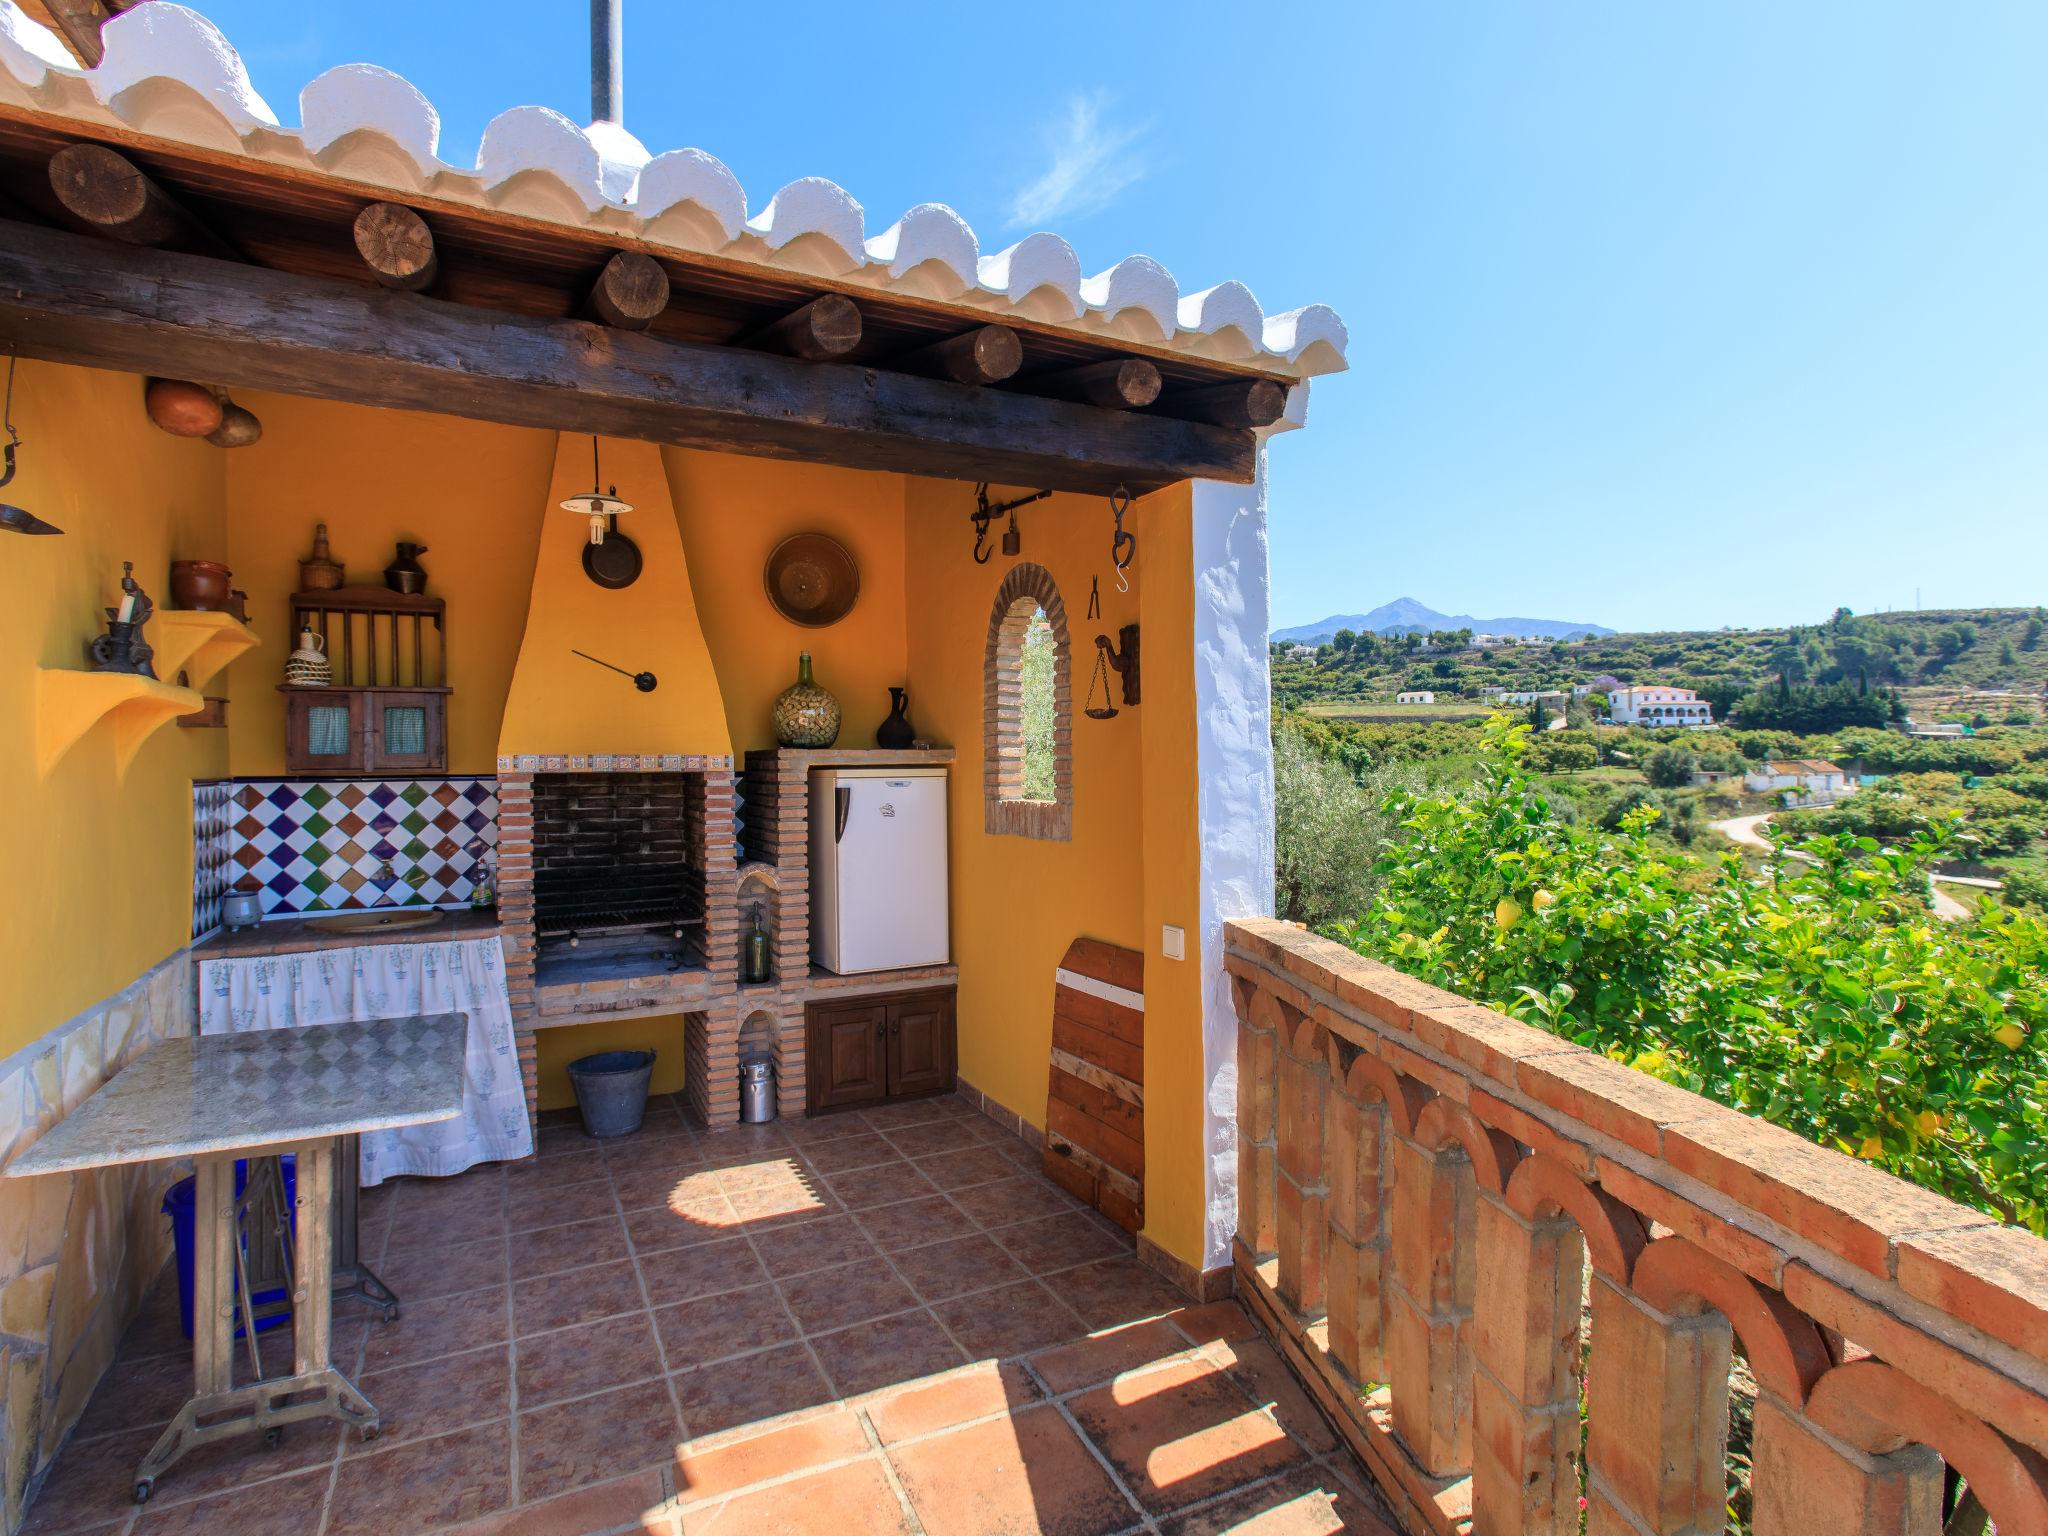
(180, 1204)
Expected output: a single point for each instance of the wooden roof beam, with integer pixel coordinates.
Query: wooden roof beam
(67, 298)
(397, 247)
(1118, 384)
(988, 354)
(108, 194)
(630, 293)
(826, 328)
(1249, 403)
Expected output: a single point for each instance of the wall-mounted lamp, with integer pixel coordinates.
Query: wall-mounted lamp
(600, 506)
(15, 519)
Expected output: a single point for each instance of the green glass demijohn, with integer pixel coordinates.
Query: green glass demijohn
(806, 715)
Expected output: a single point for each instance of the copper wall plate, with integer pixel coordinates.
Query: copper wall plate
(812, 579)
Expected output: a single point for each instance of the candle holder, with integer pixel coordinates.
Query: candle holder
(122, 648)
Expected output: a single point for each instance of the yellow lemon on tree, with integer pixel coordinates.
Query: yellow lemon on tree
(2010, 1036)
(1872, 1148)
(1928, 1123)
(1507, 912)
(1543, 900)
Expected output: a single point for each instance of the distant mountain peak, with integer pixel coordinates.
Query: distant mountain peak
(1405, 615)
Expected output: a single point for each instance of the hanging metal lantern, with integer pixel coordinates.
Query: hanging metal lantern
(602, 507)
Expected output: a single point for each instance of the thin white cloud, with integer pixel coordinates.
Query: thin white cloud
(1091, 162)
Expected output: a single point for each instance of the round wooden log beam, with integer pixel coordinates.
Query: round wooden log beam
(826, 328)
(630, 292)
(397, 246)
(987, 354)
(1120, 384)
(110, 195)
(1251, 404)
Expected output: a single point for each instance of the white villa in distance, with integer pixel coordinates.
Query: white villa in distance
(1525, 696)
(1660, 707)
(1813, 780)
(1415, 696)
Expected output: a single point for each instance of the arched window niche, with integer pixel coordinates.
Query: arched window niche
(1027, 710)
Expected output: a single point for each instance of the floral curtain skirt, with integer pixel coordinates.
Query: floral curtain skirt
(384, 981)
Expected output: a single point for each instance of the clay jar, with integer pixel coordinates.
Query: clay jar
(183, 409)
(199, 585)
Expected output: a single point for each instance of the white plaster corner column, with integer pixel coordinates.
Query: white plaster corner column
(1234, 747)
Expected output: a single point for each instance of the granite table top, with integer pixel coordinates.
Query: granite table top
(213, 1094)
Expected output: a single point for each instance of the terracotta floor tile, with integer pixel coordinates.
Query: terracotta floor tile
(853, 1500)
(1013, 1320)
(661, 1154)
(531, 1208)
(135, 1394)
(423, 1274)
(747, 1144)
(1182, 1432)
(787, 1169)
(426, 1483)
(654, 1228)
(716, 1327)
(976, 1164)
(482, 1188)
(1215, 1320)
(913, 1223)
(895, 1117)
(1026, 1472)
(285, 1506)
(728, 1465)
(1086, 1362)
(579, 1244)
(155, 1330)
(707, 1269)
(418, 1230)
(576, 1362)
(974, 1393)
(1028, 1198)
(1059, 1242)
(937, 1136)
(827, 1299)
(91, 1485)
(434, 1397)
(768, 1202)
(888, 1352)
(1294, 1505)
(446, 1325)
(885, 1185)
(685, 1191)
(595, 1439)
(1260, 1373)
(716, 1398)
(804, 1246)
(555, 1172)
(556, 1139)
(850, 1152)
(1117, 1291)
(940, 1270)
(636, 1502)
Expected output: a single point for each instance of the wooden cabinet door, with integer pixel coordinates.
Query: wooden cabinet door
(323, 731)
(921, 1043)
(406, 731)
(846, 1054)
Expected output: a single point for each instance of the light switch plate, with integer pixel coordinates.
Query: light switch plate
(1173, 942)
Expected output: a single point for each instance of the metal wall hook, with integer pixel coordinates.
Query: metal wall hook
(1123, 548)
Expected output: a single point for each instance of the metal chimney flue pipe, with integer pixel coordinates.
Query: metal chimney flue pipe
(607, 63)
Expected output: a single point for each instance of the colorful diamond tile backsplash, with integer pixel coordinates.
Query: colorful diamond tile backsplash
(327, 845)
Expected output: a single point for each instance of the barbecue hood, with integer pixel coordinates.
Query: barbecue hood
(560, 704)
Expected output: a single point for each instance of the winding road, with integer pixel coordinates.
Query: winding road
(1748, 831)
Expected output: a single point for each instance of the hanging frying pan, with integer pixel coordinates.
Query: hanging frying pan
(615, 563)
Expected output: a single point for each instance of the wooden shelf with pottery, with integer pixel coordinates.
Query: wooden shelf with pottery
(197, 643)
(69, 704)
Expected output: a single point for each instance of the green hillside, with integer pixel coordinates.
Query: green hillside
(1938, 660)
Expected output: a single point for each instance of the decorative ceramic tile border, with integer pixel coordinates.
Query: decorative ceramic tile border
(212, 873)
(323, 845)
(612, 762)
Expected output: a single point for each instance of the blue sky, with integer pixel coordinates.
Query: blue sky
(1660, 316)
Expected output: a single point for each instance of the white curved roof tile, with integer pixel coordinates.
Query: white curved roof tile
(1140, 284)
(170, 74)
(814, 206)
(932, 236)
(361, 99)
(1039, 275)
(688, 180)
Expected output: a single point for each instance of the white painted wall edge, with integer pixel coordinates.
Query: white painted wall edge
(1234, 751)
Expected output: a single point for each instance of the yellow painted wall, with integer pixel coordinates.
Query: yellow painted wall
(565, 1043)
(734, 511)
(561, 702)
(1174, 1196)
(99, 866)
(471, 491)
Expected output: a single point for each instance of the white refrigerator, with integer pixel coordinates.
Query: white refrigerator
(878, 869)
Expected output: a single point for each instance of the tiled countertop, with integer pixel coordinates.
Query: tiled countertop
(297, 935)
(221, 1093)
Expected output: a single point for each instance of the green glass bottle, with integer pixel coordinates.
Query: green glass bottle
(757, 951)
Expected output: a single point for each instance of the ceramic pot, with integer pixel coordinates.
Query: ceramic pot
(319, 571)
(182, 409)
(896, 733)
(405, 573)
(199, 585)
(308, 666)
(241, 909)
(238, 428)
(806, 715)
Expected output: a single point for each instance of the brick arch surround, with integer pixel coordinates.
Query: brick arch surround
(1026, 589)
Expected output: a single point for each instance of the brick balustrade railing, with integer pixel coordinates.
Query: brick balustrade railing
(1422, 1183)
